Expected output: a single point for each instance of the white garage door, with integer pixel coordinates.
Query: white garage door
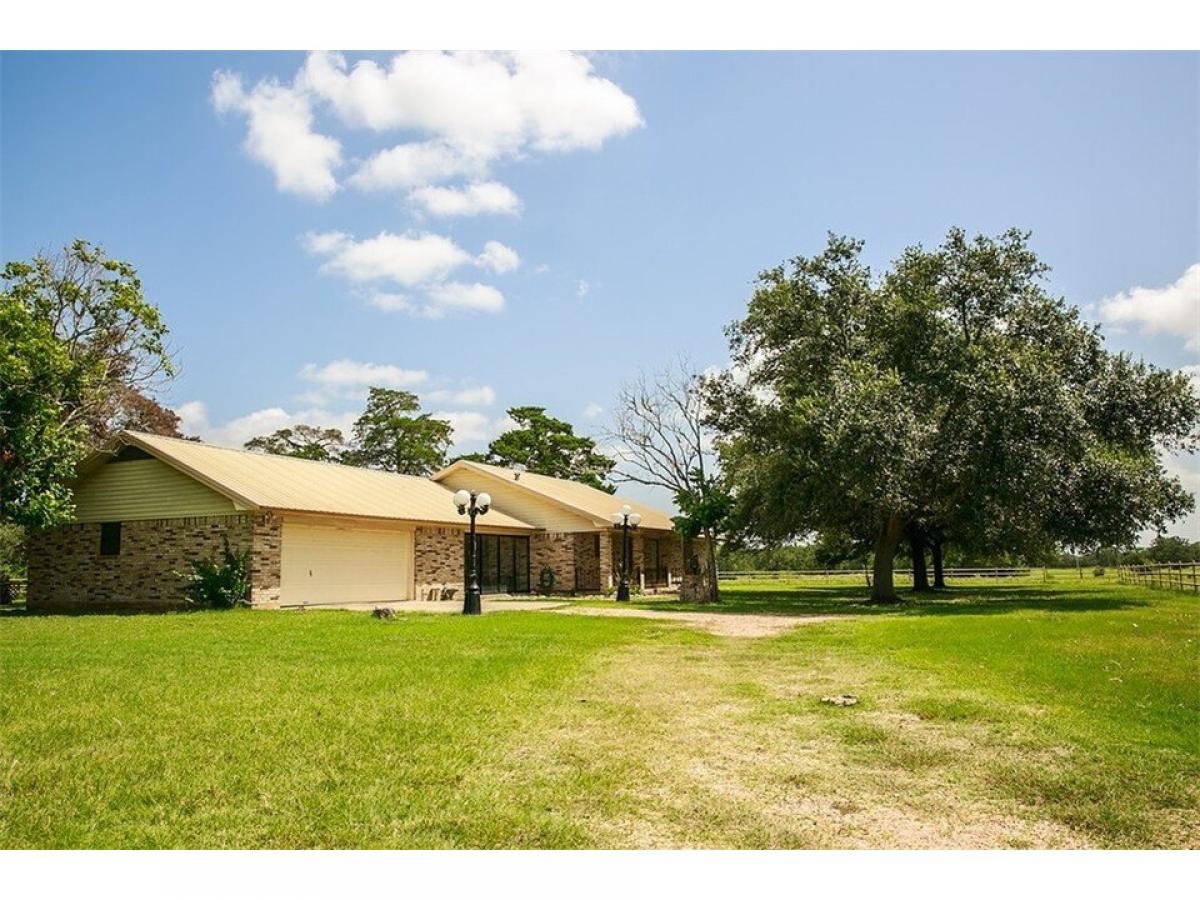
(326, 565)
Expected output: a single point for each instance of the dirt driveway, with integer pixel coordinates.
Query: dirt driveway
(723, 624)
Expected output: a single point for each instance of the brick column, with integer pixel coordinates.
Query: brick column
(266, 553)
(557, 551)
(607, 575)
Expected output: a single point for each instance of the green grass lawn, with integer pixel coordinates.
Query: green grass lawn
(1064, 713)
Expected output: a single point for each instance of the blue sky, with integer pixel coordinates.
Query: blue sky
(624, 212)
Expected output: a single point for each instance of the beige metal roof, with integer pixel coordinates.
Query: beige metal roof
(287, 483)
(589, 501)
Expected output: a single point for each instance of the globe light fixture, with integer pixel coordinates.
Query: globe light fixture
(472, 504)
(625, 519)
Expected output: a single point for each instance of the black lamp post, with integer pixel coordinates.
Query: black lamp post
(472, 504)
(626, 519)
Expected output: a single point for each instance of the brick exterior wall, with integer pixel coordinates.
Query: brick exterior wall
(266, 545)
(587, 563)
(67, 572)
(438, 560)
(608, 575)
(556, 551)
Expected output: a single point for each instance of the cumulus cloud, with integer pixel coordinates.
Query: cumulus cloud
(194, 420)
(498, 258)
(346, 373)
(465, 111)
(280, 135)
(1174, 309)
(473, 396)
(453, 295)
(406, 259)
(422, 262)
(469, 426)
(413, 165)
(582, 288)
(487, 197)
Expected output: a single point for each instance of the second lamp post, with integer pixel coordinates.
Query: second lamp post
(625, 519)
(472, 504)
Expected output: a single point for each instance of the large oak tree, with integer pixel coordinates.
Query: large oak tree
(953, 396)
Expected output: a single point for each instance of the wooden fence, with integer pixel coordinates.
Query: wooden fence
(1179, 576)
(865, 574)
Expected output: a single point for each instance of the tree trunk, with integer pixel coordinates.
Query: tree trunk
(883, 589)
(712, 590)
(916, 540)
(935, 550)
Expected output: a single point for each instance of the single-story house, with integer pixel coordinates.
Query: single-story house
(324, 534)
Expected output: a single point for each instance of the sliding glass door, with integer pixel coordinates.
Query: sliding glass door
(503, 563)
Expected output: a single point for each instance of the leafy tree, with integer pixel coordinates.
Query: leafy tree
(1167, 548)
(392, 434)
(303, 441)
(951, 398)
(79, 348)
(549, 446)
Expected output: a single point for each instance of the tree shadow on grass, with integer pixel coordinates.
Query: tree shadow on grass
(844, 600)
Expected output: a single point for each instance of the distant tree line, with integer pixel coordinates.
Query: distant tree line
(394, 435)
(1162, 549)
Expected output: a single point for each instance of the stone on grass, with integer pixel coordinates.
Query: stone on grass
(841, 700)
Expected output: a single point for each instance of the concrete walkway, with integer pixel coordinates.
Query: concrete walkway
(451, 606)
(723, 624)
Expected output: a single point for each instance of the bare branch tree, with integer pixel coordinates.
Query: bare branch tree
(659, 439)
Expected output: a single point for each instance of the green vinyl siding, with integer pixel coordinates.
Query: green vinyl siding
(144, 489)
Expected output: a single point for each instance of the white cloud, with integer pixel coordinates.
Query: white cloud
(406, 259)
(466, 111)
(420, 261)
(346, 373)
(475, 396)
(280, 134)
(453, 295)
(494, 102)
(592, 410)
(1174, 309)
(498, 258)
(413, 165)
(487, 197)
(1187, 469)
(469, 426)
(391, 302)
(236, 431)
(442, 298)
(582, 288)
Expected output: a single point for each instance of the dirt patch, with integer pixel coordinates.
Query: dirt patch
(723, 624)
(687, 746)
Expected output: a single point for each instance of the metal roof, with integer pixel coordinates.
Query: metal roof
(588, 501)
(261, 480)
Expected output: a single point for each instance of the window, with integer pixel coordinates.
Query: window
(110, 538)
